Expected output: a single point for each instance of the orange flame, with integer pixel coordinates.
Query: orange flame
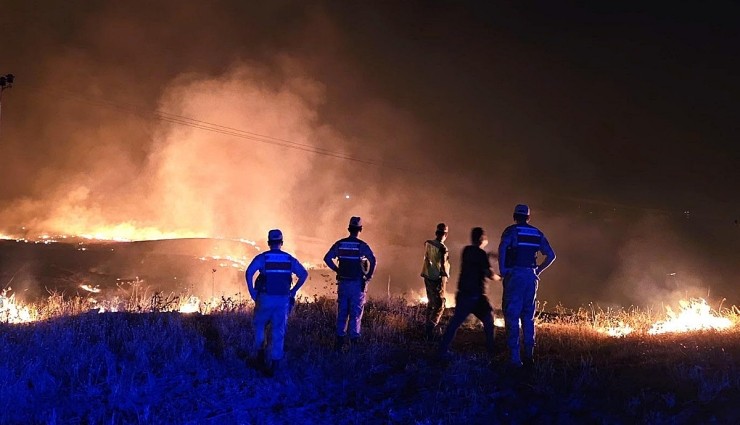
(695, 315)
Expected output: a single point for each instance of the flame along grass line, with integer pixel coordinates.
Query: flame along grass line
(694, 315)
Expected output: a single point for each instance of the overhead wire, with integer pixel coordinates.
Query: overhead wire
(217, 128)
(275, 141)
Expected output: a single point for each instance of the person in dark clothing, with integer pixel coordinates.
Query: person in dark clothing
(471, 298)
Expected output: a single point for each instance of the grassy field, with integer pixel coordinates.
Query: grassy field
(156, 366)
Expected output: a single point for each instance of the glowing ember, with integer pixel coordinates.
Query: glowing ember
(11, 311)
(618, 331)
(88, 288)
(420, 298)
(236, 263)
(695, 315)
(247, 241)
(308, 265)
(191, 305)
(122, 232)
(126, 232)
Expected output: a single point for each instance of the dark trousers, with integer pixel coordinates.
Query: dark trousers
(436, 300)
(466, 305)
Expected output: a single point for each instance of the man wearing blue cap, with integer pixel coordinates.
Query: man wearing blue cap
(351, 254)
(520, 244)
(272, 294)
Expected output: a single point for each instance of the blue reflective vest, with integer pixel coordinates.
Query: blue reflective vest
(278, 276)
(527, 242)
(350, 260)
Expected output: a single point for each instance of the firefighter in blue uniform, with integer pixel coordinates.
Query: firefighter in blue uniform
(351, 254)
(520, 244)
(272, 294)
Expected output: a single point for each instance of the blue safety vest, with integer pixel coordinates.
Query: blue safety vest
(278, 273)
(527, 242)
(350, 259)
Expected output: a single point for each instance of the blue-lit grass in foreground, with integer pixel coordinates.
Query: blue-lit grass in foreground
(167, 367)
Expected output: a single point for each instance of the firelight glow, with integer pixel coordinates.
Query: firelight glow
(694, 315)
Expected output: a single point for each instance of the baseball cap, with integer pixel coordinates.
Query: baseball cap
(355, 222)
(274, 235)
(521, 209)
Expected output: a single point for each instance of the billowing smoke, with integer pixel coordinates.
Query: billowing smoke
(161, 119)
(235, 186)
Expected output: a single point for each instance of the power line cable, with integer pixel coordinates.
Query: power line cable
(275, 141)
(217, 128)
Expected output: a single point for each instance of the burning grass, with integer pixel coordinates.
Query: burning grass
(149, 363)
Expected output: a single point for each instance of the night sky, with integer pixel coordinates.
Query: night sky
(615, 123)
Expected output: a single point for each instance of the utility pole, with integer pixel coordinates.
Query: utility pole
(6, 82)
(213, 284)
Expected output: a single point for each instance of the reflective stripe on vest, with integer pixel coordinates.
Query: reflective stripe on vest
(527, 243)
(278, 273)
(350, 260)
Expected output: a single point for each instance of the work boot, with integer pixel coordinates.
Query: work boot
(515, 361)
(354, 342)
(528, 362)
(432, 332)
(429, 331)
(444, 355)
(272, 367)
(491, 353)
(528, 357)
(339, 344)
(257, 360)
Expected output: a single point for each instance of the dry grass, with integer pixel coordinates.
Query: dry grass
(151, 364)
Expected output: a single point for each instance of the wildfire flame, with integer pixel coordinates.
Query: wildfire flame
(127, 232)
(122, 232)
(420, 297)
(88, 288)
(620, 330)
(12, 312)
(239, 263)
(695, 315)
(191, 305)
